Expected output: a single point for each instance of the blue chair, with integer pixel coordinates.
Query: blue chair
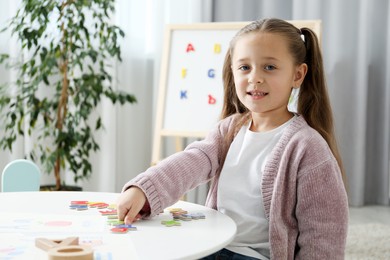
(20, 175)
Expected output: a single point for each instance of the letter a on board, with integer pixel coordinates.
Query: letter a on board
(212, 100)
(190, 47)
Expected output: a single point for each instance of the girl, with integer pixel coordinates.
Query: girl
(277, 174)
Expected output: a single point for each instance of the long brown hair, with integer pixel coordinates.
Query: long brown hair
(313, 101)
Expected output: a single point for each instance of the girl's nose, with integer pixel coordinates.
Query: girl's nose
(255, 79)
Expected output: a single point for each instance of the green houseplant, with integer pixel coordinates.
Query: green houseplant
(68, 49)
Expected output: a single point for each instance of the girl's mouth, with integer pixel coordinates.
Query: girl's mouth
(256, 93)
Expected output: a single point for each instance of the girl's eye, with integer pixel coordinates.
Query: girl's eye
(269, 67)
(243, 67)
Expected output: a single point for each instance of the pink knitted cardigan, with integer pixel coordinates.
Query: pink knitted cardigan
(303, 192)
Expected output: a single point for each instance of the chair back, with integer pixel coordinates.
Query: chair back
(20, 175)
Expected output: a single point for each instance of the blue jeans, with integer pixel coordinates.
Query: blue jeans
(225, 254)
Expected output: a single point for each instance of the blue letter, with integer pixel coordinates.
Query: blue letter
(183, 94)
(211, 73)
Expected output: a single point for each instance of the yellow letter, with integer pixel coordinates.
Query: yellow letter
(217, 48)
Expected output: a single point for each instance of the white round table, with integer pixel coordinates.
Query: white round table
(25, 216)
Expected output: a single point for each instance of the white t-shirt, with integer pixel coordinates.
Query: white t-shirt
(239, 195)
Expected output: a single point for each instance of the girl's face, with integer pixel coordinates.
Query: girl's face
(264, 73)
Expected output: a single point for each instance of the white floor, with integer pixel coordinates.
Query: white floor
(369, 214)
(368, 233)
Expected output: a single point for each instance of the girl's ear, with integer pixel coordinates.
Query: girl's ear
(300, 74)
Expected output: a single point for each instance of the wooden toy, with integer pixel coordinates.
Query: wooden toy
(46, 244)
(70, 252)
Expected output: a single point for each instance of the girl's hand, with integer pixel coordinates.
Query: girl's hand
(130, 203)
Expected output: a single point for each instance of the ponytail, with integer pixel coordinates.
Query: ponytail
(313, 102)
